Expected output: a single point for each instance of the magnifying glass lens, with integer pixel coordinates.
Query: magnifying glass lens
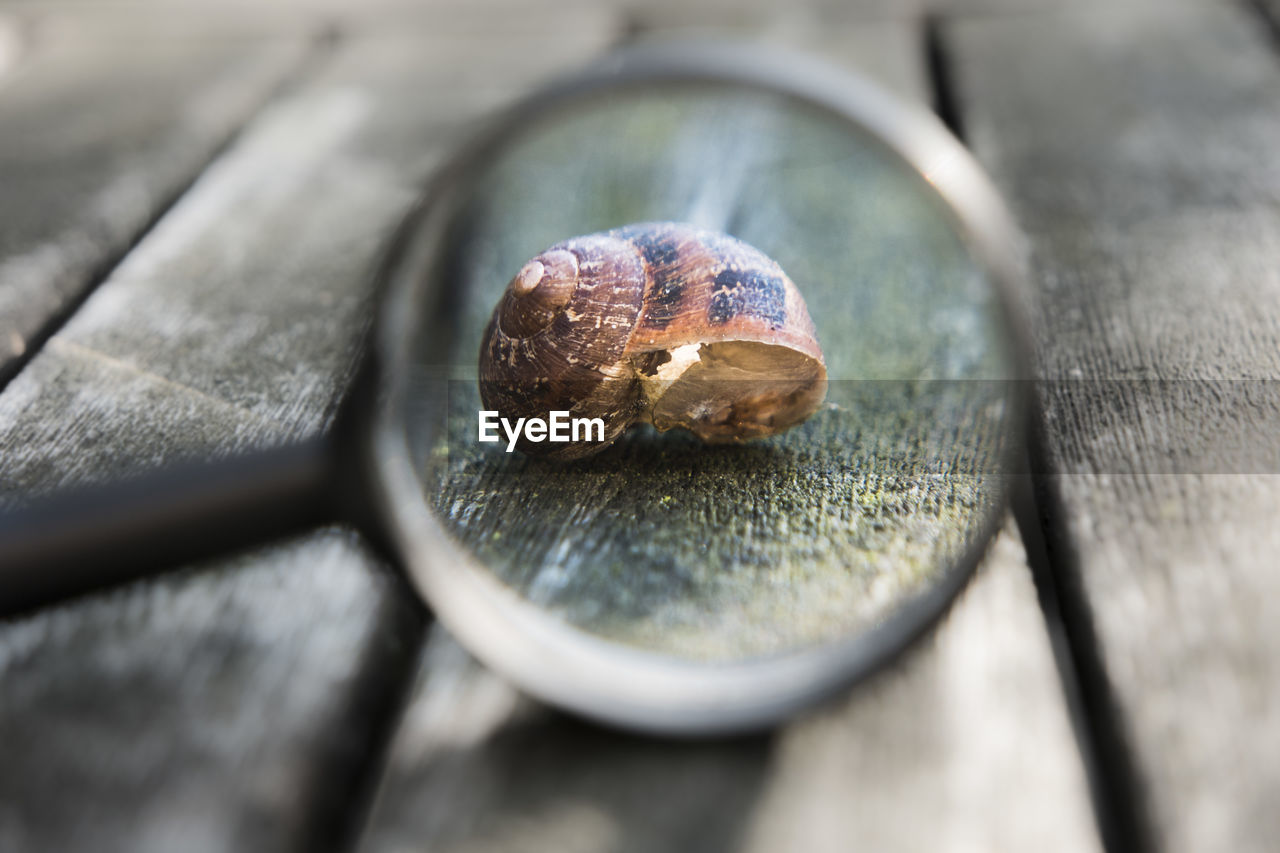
(665, 582)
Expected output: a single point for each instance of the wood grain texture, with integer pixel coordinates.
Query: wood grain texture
(821, 18)
(464, 17)
(235, 707)
(86, 163)
(475, 765)
(227, 707)
(245, 306)
(892, 61)
(935, 753)
(928, 756)
(1138, 150)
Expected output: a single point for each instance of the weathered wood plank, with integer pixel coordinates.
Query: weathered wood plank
(227, 707)
(244, 306)
(238, 707)
(1139, 151)
(964, 745)
(931, 755)
(502, 19)
(99, 133)
(781, 21)
(475, 765)
(800, 23)
(892, 62)
(971, 721)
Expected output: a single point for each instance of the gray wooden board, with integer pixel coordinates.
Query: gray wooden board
(243, 308)
(928, 756)
(780, 20)
(227, 707)
(1139, 151)
(962, 745)
(463, 17)
(892, 62)
(87, 161)
(238, 707)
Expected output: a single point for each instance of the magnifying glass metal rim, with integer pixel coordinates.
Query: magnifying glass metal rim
(566, 666)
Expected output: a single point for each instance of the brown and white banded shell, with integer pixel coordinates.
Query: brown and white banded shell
(658, 323)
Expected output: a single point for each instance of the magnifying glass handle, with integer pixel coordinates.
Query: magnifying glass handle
(86, 539)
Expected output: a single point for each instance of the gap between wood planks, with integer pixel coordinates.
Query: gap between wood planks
(1268, 11)
(1113, 784)
(320, 46)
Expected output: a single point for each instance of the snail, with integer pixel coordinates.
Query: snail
(659, 323)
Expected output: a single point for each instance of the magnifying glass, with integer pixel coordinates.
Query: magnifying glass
(662, 585)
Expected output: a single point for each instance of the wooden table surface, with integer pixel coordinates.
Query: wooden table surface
(191, 198)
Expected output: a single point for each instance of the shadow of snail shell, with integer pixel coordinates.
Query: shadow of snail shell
(658, 323)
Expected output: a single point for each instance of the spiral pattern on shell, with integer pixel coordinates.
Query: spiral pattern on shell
(657, 322)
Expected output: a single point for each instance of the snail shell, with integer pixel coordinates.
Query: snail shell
(658, 323)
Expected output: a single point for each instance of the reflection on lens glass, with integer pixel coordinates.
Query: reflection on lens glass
(725, 553)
